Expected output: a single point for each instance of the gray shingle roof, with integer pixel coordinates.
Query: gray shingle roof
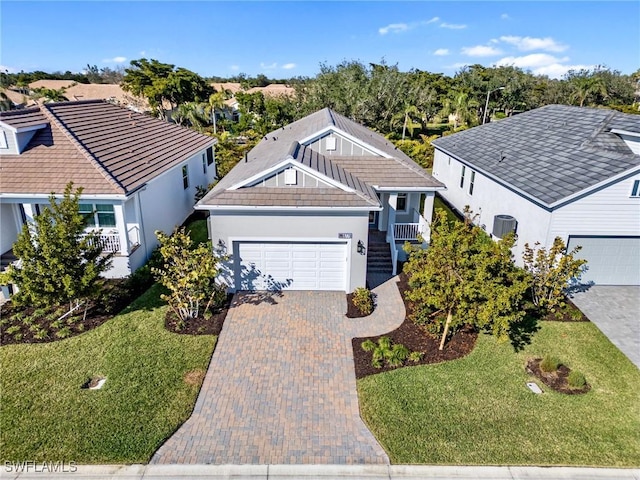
(283, 143)
(108, 149)
(548, 153)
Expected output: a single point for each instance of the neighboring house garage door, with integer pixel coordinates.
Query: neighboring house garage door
(611, 260)
(292, 266)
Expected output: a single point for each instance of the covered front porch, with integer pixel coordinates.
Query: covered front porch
(405, 217)
(118, 224)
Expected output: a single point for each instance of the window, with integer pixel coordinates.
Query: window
(185, 177)
(209, 155)
(635, 191)
(290, 176)
(204, 164)
(464, 169)
(401, 204)
(331, 143)
(472, 179)
(101, 216)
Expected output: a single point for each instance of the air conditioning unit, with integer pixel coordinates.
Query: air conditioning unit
(503, 224)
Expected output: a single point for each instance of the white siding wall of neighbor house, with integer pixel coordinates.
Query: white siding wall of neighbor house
(164, 201)
(610, 211)
(295, 227)
(489, 199)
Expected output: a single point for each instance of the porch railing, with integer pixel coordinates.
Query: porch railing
(110, 242)
(410, 231)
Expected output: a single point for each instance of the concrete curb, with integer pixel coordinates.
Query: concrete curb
(289, 472)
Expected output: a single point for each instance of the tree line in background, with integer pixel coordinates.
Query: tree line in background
(410, 108)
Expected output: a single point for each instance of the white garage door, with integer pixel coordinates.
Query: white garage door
(292, 266)
(611, 260)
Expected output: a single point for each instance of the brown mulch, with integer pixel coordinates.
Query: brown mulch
(556, 380)
(416, 339)
(70, 326)
(200, 325)
(353, 311)
(566, 314)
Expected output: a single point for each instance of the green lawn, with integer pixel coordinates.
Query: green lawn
(45, 416)
(478, 410)
(198, 231)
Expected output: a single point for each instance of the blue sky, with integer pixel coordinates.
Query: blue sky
(285, 39)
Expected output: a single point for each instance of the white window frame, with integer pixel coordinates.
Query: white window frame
(472, 179)
(185, 177)
(204, 163)
(96, 217)
(635, 189)
(406, 202)
(462, 174)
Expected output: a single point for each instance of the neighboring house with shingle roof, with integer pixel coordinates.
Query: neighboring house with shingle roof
(139, 174)
(298, 211)
(558, 170)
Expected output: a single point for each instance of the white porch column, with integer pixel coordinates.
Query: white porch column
(29, 211)
(393, 204)
(122, 229)
(427, 210)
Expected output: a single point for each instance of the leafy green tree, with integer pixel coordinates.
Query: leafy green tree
(161, 84)
(550, 272)
(215, 103)
(467, 277)
(189, 273)
(59, 262)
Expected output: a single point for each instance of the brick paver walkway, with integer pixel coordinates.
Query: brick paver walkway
(281, 387)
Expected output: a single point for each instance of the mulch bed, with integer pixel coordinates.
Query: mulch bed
(556, 380)
(69, 327)
(416, 339)
(353, 311)
(566, 314)
(198, 326)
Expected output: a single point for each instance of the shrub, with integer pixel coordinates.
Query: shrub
(549, 363)
(415, 357)
(576, 379)
(397, 355)
(385, 352)
(363, 300)
(368, 345)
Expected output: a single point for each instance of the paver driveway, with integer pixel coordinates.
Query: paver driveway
(281, 386)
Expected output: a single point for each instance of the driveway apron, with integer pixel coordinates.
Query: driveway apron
(281, 386)
(616, 312)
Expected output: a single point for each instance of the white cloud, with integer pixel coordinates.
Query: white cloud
(115, 60)
(234, 68)
(533, 60)
(526, 44)
(143, 52)
(393, 28)
(289, 66)
(457, 65)
(270, 66)
(453, 26)
(441, 52)
(481, 51)
(405, 27)
(542, 64)
(505, 16)
(5, 68)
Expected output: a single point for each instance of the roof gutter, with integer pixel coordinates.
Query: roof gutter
(23, 129)
(45, 196)
(409, 189)
(285, 208)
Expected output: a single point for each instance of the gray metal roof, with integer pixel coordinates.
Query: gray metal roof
(549, 153)
(283, 144)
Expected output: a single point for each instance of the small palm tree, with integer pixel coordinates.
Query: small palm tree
(192, 114)
(216, 102)
(463, 109)
(49, 95)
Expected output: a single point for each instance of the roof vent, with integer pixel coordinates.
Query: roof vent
(503, 224)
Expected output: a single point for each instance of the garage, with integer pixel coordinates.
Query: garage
(290, 265)
(611, 260)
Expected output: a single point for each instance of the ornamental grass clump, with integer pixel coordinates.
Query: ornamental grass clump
(549, 364)
(576, 379)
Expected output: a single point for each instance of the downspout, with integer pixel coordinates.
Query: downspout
(144, 237)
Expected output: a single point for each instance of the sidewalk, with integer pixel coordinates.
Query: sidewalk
(324, 472)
